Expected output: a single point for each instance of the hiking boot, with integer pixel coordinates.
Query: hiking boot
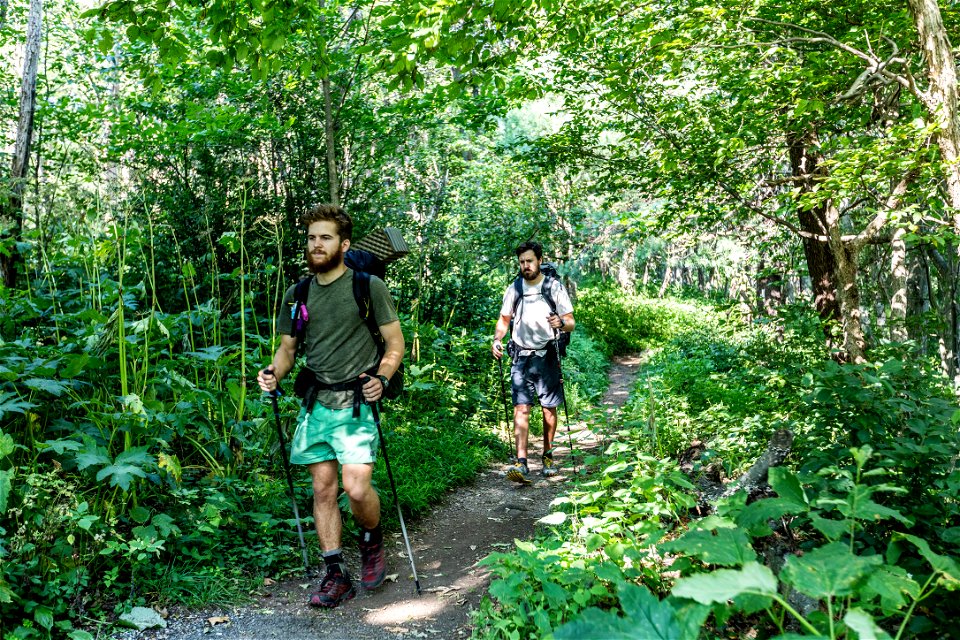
(334, 589)
(549, 467)
(373, 564)
(519, 473)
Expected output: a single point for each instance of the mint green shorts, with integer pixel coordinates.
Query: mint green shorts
(334, 434)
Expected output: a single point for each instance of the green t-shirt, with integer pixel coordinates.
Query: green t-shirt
(339, 346)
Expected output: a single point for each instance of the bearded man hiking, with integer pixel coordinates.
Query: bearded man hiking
(344, 374)
(540, 309)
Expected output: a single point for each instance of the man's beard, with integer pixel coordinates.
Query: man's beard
(531, 278)
(319, 264)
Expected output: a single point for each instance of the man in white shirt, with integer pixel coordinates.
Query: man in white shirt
(540, 309)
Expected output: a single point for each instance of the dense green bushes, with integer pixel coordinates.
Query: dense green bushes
(858, 534)
(139, 464)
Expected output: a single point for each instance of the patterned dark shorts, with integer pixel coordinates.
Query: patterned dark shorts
(537, 377)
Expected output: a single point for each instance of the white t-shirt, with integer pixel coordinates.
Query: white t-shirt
(531, 327)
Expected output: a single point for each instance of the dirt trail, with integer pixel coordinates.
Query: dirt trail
(469, 524)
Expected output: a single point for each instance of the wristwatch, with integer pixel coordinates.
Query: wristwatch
(563, 324)
(384, 381)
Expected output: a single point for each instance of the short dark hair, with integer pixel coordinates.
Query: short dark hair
(530, 245)
(331, 213)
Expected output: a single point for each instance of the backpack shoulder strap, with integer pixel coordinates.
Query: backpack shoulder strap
(545, 290)
(361, 293)
(302, 290)
(518, 298)
(300, 318)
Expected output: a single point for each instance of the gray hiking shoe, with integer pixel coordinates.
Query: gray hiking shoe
(549, 467)
(519, 473)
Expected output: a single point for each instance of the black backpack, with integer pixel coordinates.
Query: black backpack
(549, 271)
(364, 264)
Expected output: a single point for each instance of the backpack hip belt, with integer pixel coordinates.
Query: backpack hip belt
(308, 384)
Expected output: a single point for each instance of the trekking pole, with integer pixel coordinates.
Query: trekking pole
(375, 407)
(566, 414)
(286, 467)
(503, 394)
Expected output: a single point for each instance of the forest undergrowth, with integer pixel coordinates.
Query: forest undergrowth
(139, 463)
(855, 536)
(140, 467)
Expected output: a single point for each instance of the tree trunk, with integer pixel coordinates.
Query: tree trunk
(11, 215)
(330, 132)
(949, 310)
(821, 264)
(847, 257)
(898, 282)
(941, 99)
(668, 272)
(918, 300)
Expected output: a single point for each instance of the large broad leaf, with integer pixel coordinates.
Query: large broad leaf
(831, 529)
(726, 584)
(645, 617)
(830, 570)
(755, 516)
(726, 547)
(787, 486)
(861, 622)
(53, 387)
(59, 446)
(91, 456)
(210, 354)
(946, 566)
(891, 584)
(126, 467)
(11, 403)
(863, 508)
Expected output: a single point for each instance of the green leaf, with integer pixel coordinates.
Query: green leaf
(88, 458)
(53, 387)
(6, 593)
(556, 594)
(787, 486)
(726, 584)
(645, 617)
(831, 529)
(827, 571)
(891, 583)
(126, 467)
(723, 546)
(230, 241)
(121, 475)
(651, 616)
(11, 403)
(862, 622)
(62, 445)
(6, 486)
(140, 514)
(944, 565)
(755, 517)
(44, 616)
(75, 364)
(7, 445)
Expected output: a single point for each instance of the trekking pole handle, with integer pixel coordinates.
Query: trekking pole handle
(364, 379)
(276, 393)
